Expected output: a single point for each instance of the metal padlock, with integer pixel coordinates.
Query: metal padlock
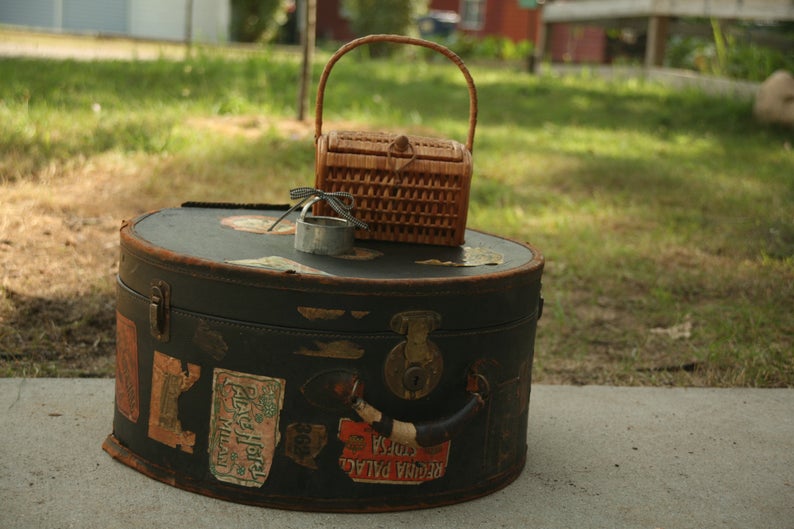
(323, 235)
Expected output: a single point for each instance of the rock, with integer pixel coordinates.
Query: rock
(774, 102)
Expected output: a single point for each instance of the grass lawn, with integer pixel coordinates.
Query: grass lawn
(666, 217)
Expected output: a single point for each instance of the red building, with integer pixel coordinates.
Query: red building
(577, 43)
(502, 18)
(330, 23)
(480, 18)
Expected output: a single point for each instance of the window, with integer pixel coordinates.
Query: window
(472, 14)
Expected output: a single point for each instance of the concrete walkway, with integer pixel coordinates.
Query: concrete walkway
(599, 457)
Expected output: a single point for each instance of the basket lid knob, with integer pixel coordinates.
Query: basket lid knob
(401, 143)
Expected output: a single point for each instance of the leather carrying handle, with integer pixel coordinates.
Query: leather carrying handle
(424, 434)
(397, 39)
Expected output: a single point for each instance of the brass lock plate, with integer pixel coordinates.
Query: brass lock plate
(413, 368)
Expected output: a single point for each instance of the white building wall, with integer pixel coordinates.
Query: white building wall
(157, 19)
(165, 19)
(154, 19)
(211, 20)
(108, 16)
(31, 13)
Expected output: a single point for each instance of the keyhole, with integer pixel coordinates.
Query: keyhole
(415, 378)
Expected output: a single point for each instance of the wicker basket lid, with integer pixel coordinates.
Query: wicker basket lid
(377, 144)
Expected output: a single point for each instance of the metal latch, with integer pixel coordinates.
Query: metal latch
(413, 368)
(160, 310)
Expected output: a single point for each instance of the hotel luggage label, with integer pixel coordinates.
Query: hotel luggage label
(244, 426)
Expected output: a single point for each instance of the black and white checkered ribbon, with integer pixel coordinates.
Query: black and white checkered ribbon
(341, 202)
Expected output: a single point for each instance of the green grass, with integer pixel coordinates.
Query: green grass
(654, 208)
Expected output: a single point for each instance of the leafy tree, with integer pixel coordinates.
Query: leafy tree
(383, 16)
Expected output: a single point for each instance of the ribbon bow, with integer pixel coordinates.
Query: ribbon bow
(340, 201)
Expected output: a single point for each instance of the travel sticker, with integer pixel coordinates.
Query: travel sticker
(259, 224)
(169, 381)
(244, 426)
(304, 442)
(127, 392)
(368, 457)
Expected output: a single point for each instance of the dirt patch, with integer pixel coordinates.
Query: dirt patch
(252, 127)
(59, 253)
(59, 258)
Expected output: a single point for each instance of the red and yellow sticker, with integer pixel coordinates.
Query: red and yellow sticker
(368, 457)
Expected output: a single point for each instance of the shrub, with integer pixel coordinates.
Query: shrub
(491, 47)
(256, 20)
(726, 55)
(383, 16)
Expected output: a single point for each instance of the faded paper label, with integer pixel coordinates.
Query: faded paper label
(371, 458)
(169, 381)
(259, 224)
(360, 254)
(471, 257)
(210, 341)
(127, 388)
(304, 442)
(318, 313)
(337, 349)
(281, 264)
(244, 426)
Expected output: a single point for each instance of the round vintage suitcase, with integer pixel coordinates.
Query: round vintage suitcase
(395, 376)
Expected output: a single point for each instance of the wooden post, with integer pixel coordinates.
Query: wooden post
(188, 27)
(307, 41)
(657, 40)
(540, 46)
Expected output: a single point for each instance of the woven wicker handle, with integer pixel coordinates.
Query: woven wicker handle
(398, 39)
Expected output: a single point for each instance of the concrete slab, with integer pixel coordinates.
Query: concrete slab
(598, 457)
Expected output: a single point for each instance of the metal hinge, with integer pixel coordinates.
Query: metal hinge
(160, 310)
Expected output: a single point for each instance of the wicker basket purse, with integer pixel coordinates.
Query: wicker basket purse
(407, 188)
